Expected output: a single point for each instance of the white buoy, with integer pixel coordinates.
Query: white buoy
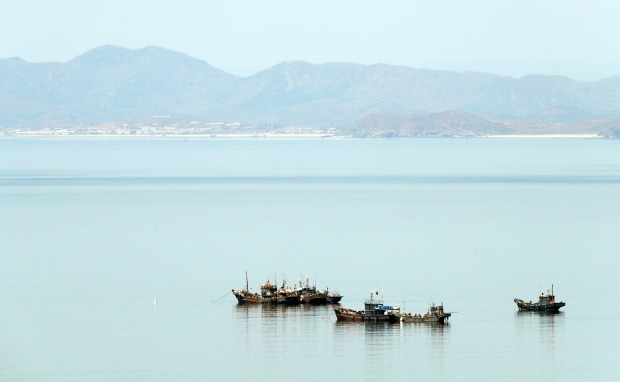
(154, 300)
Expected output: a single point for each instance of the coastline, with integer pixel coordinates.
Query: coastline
(583, 135)
(280, 136)
(171, 136)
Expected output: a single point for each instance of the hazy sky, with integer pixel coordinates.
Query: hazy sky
(578, 39)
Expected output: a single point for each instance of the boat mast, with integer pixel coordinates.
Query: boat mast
(247, 286)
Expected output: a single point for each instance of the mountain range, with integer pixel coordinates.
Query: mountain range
(111, 84)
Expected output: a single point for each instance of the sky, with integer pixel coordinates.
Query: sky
(578, 39)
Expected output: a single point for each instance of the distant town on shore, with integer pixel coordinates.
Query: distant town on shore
(163, 126)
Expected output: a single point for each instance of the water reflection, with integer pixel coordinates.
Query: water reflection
(434, 329)
(545, 324)
(275, 311)
(355, 345)
(243, 310)
(545, 321)
(538, 337)
(380, 333)
(413, 346)
(271, 311)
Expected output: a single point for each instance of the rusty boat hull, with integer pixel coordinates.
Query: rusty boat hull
(350, 315)
(441, 319)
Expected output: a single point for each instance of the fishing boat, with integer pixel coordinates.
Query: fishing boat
(310, 295)
(314, 298)
(374, 311)
(268, 293)
(287, 296)
(434, 315)
(333, 297)
(546, 303)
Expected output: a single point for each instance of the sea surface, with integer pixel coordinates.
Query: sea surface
(117, 258)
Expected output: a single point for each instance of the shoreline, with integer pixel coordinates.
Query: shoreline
(316, 136)
(564, 135)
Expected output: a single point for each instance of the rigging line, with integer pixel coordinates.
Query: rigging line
(221, 297)
(331, 313)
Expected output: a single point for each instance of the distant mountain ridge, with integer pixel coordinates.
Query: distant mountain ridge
(111, 83)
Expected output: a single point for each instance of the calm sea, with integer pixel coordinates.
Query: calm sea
(93, 231)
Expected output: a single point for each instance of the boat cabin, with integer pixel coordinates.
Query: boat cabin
(374, 307)
(546, 299)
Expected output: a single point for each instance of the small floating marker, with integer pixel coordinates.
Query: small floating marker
(154, 300)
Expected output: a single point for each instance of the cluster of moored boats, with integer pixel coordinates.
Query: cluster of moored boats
(301, 293)
(374, 309)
